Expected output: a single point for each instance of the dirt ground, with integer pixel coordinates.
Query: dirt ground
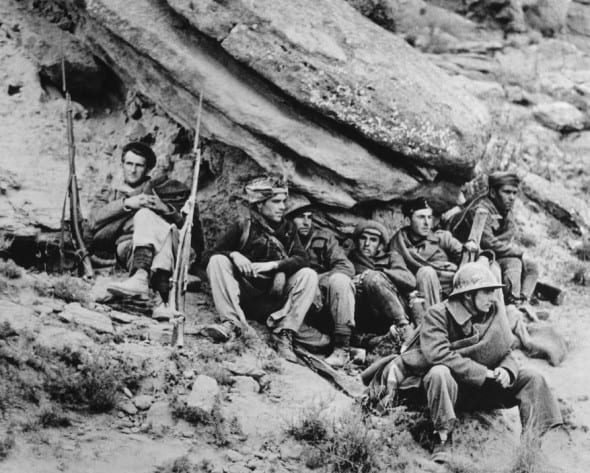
(32, 157)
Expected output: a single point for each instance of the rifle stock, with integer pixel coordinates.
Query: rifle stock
(179, 280)
(479, 222)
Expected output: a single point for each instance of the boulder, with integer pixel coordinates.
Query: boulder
(143, 402)
(76, 314)
(560, 116)
(558, 201)
(548, 16)
(337, 64)
(244, 385)
(204, 394)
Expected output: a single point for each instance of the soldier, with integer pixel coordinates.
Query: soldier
(463, 358)
(139, 219)
(259, 267)
(519, 274)
(381, 281)
(433, 257)
(336, 291)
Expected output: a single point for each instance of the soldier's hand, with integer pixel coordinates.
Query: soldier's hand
(405, 332)
(264, 268)
(502, 377)
(156, 204)
(136, 201)
(243, 264)
(471, 246)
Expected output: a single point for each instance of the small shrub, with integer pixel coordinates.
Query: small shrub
(179, 465)
(6, 444)
(310, 425)
(52, 416)
(192, 415)
(70, 289)
(527, 458)
(10, 269)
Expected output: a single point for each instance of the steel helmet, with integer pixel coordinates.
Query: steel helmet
(473, 276)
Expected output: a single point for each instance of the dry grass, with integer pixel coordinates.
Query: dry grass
(181, 465)
(6, 444)
(10, 269)
(528, 457)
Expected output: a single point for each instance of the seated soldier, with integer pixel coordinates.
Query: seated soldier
(381, 280)
(139, 219)
(259, 267)
(519, 274)
(335, 271)
(462, 358)
(433, 257)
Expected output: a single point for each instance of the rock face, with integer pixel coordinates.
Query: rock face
(560, 116)
(349, 112)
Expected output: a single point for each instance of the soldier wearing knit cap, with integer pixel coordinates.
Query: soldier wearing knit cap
(382, 280)
(519, 274)
(259, 269)
(432, 256)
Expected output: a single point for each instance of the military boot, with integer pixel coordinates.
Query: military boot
(284, 345)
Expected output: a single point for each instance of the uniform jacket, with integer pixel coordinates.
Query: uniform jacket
(325, 253)
(110, 222)
(499, 232)
(451, 336)
(440, 250)
(264, 242)
(391, 263)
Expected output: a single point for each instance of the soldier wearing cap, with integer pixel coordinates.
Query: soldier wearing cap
(382, 280)
(431, 256)
(259, 267)
(138, 218)
(336, 291)
(462, 357)
(519, 274)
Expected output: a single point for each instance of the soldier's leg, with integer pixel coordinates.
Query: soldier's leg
(300, 291)
(530, 275)
(428, 284)
(441, 395)
(511, 277)
(382, 295)
(338, 292)
(226, 290)
(536, 404)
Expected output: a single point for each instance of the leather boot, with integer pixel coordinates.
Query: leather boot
(284, 345)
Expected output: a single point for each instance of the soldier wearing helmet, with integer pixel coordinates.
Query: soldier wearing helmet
(463, 358)
(259, 269)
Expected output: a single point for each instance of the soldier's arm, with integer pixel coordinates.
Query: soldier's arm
(297, 258)
(229, 242)
(399, 273)
(502, 245)
(106, 208)
(450, 245)
(337, 259)
(436, 346)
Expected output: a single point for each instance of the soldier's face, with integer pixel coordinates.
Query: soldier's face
(421, 222)
(369, 244)
(483, 299)
(504, 196)
(134, 168)
(274, 208)
(303, 223)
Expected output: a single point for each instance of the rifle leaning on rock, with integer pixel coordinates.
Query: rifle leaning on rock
(72, 194)
(179, 280)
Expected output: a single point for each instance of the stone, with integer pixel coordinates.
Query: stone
(76, 314)
(204, 394)
(548, 16)
(159, 416)
(128, 408)
(143, 402)
(48, 43)
(234, 456)
(245, 385)
(395, 99)
(122, 317)
(127, 393)
(58, 338)
(245, 369)
(558, 201)
(290, 450)
(560, 116)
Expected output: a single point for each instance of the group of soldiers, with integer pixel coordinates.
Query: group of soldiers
(276, 266)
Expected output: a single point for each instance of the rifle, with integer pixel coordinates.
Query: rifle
(479, 222)
(72, 194)
(179, 280)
